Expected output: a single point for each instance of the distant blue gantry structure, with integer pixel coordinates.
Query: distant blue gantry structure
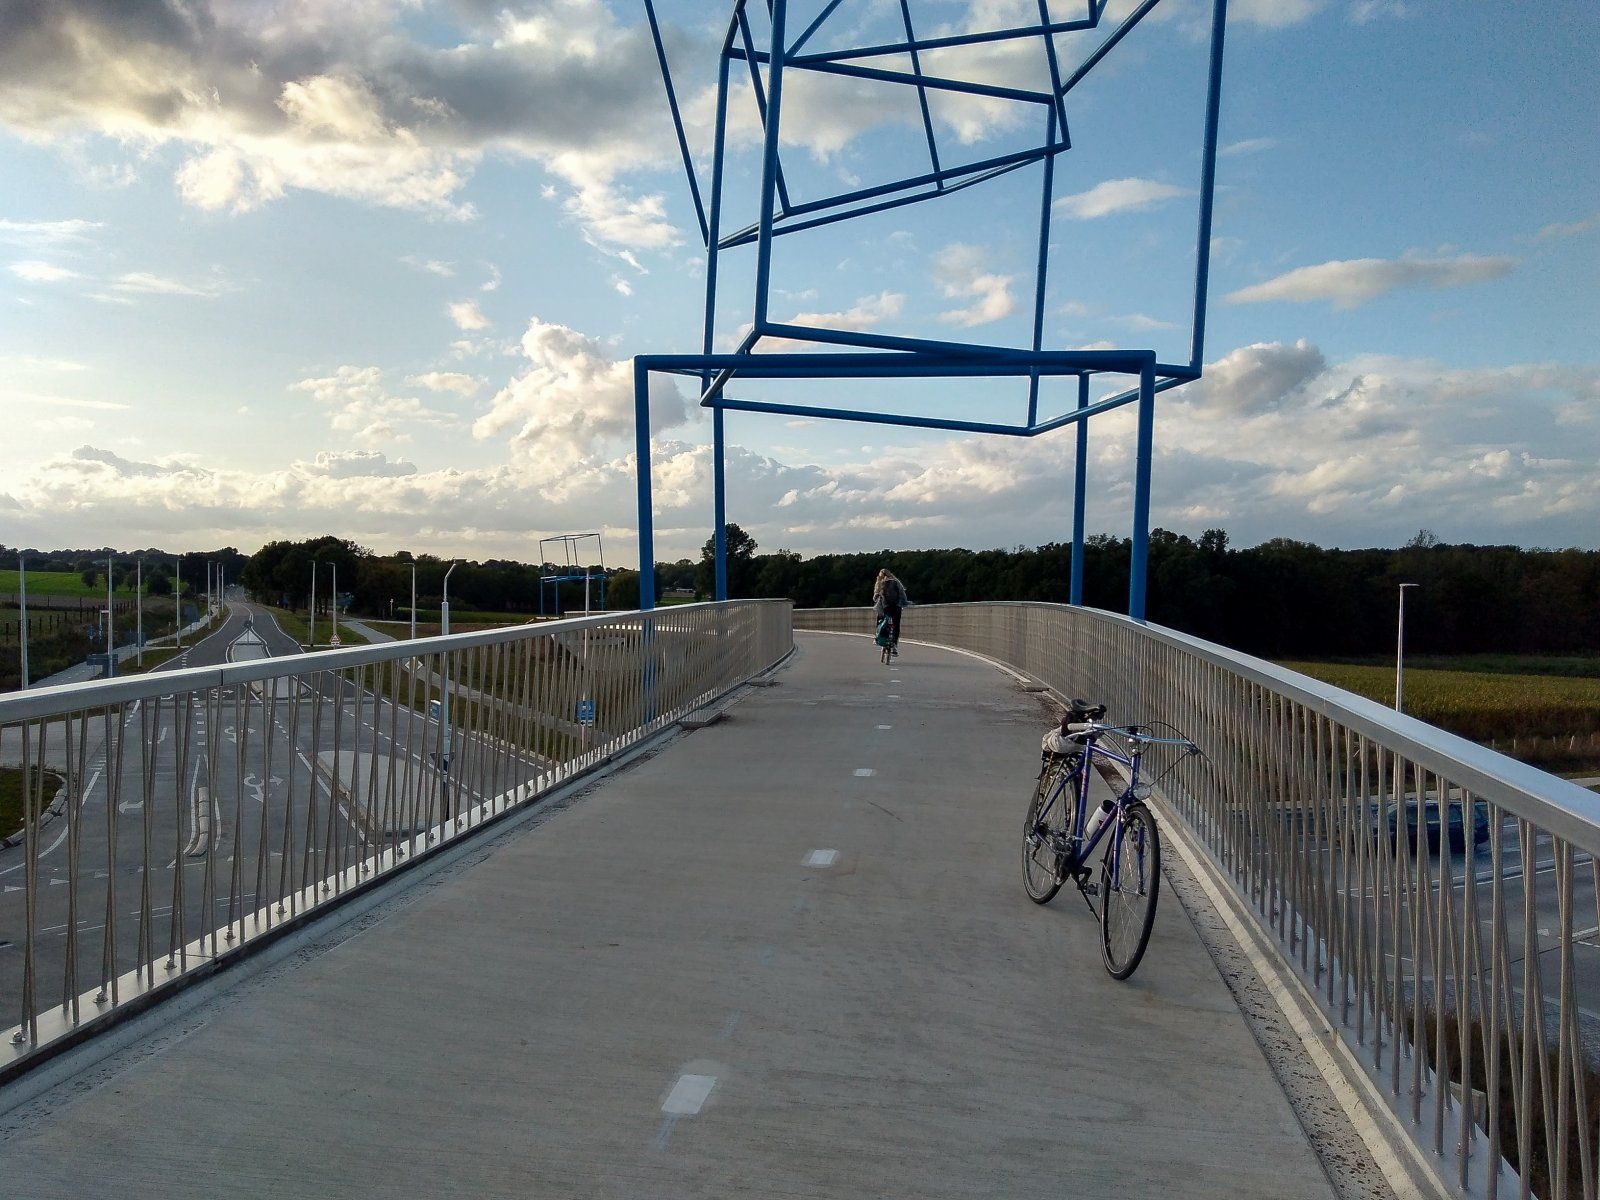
(848, 354)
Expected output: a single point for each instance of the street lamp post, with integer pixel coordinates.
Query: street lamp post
(413, 602)
(177, 601)
(138, 608)
(444, 695)
(22, 574)
(311, 636)
(1400, 652)
(334, 640)
(111, 625)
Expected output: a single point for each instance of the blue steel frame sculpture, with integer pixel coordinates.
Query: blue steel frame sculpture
(891, 356)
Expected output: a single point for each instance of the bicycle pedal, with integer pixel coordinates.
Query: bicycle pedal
(1090, 889)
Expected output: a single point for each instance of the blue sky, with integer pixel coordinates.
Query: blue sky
(377, 268)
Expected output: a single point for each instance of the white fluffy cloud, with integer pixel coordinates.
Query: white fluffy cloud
(1352, 282)
(1275, 440)
(361, 405)
(468, 316)
(573, 399)
(1117, 196)
(961, 273)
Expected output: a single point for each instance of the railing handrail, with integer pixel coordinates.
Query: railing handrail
(48, 701)
(1558, 805)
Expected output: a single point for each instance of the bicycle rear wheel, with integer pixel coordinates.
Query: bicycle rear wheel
(1041, 865)
(1130, 884)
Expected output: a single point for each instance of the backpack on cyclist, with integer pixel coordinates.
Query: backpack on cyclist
(885, 630)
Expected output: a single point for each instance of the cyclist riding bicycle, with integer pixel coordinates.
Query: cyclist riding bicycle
(888, 600)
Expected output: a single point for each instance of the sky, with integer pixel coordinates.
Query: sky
(377, 268)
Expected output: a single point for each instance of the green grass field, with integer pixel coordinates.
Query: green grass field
(55, 583)
(296, 626)
(11, 797)
(1578, 666)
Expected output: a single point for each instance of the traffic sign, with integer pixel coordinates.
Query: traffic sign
(585, 712)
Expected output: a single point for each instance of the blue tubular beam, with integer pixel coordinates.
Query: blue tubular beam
(677, 119)
(942, 189)
(641, 437)
(1055, 70)
(868, 418)
(1042, 268)
(1139, 559)
(1079, 492)
(922, 92)
(822, 16)
(938, 82)
(956, 357)
(882, 341)
(941, 43)
(719, 449)
(1104, 48)
(1017, 158)
(1208, 183)
(769, 163)
(1100, 406)
(750, 56)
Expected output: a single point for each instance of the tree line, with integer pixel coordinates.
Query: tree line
(1280, 599)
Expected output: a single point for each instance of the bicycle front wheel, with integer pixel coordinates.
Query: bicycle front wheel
(1130, 883)
(1041, 865)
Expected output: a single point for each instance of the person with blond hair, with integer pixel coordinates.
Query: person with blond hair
(888, 600)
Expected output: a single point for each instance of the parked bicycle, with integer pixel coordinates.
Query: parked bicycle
(1064, 830)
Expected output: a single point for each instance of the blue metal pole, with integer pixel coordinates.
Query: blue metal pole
(1043, 265)
(677, 118)
(719, 448)
(1079, 491)
(752, 58)
(769, 164)
(641, 436)
(1208, 183)
(1138, 561)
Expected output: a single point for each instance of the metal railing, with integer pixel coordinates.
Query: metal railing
(1441, 901)
(170, 820)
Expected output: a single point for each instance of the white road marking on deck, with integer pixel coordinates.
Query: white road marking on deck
(885, 726)
(688, 1095)
(894, 696)
(821, 858)
(865, 772)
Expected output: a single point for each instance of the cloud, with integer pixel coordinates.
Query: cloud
(447, 381)
(432, 266)
(356, 464)
(1273, 14)
(865, 313)
(143, 283)
(1568, 229)
(960, 273)
(572, 399)
(1248, 146)
(1353, 282)
(42, 272)
(468, 316)
(1276, 440)
(48, 233)
(1117, 196)
(363, 407)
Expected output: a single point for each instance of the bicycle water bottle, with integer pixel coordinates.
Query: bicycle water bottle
(1096, 819)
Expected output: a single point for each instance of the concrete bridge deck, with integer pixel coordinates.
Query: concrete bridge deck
(545, 1019)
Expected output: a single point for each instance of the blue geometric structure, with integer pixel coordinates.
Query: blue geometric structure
(855, 354)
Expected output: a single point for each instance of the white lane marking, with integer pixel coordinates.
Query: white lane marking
(885, 726)
(820, 858)
(894, 696)
(688, 1095)
(865, 772)
(65, 825)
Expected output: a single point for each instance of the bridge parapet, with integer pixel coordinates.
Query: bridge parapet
(1440, 901)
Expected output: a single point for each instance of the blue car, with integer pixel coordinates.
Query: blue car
(1429, 817)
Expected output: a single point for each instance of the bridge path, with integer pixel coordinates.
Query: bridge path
(903, 1022)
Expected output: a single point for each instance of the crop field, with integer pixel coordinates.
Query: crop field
(1482, 705)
